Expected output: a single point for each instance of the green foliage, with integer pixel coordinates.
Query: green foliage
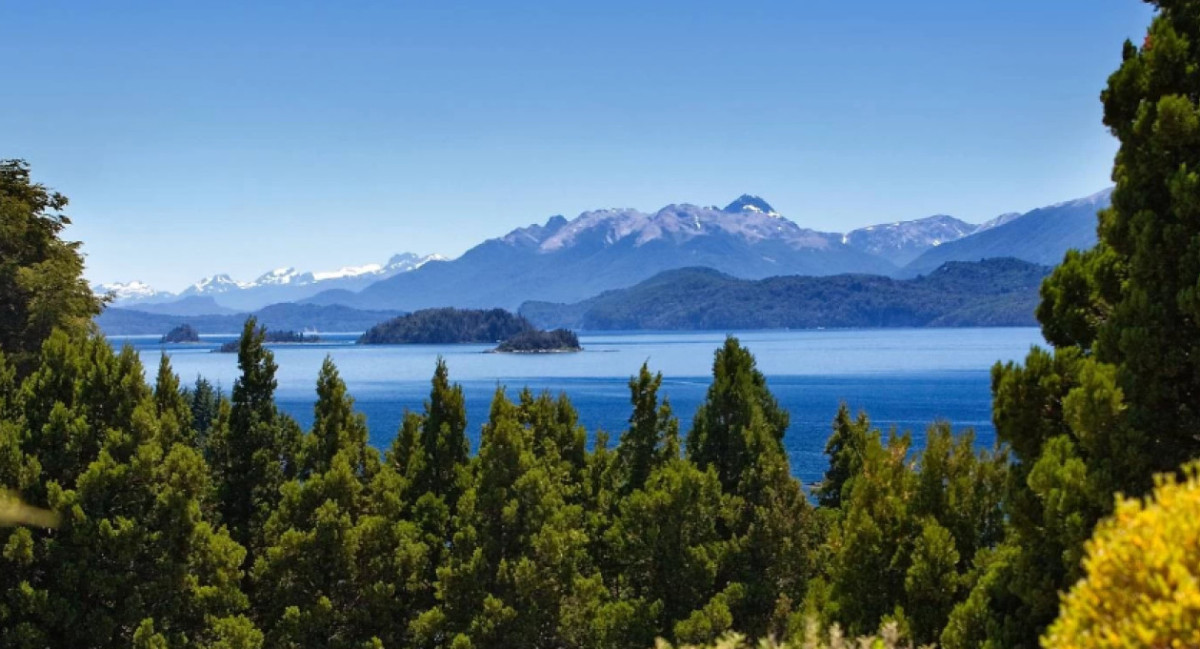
(533, 340)
(256, 451)
(739, 416)
(905, 531)
(1115, 401)
(134, 560)
(845, 449)
(1141, 586)
(653, 436)
(442, 326)
(41, 276)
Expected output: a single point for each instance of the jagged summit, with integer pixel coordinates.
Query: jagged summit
(748, 203)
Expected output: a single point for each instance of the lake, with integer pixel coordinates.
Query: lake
(905, 378)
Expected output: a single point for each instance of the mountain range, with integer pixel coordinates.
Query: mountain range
(566, 261)
(221, 293)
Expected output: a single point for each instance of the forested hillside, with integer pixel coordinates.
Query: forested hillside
(995, 292)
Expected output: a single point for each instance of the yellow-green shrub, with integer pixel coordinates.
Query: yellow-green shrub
(1142, 583)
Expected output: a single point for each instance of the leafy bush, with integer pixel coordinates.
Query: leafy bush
(1142, 587)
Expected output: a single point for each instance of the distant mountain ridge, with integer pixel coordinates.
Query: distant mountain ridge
(904, 241)
(569, 260)
(278, 285)
(1040, 236)
(996, 292)
(566, 260)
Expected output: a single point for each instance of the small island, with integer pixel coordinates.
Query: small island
(293, 337)
(447, 326)
(184, 333)
(534, 341)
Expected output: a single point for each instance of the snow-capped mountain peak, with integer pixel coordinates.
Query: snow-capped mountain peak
(407, 261)
(277, 285)
(221, 283)
(998, 221)
(277, 277)
(748, 203)
(748, 219)
(126, 291)
(902, 241)
(347, 271)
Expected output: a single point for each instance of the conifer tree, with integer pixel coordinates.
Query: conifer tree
(1116, 401)
(653, 436)
(134, 558)
(258, 449)
(174, 411)
(719, 430)
(845, 449)
(340, 568)
(41, 276)
(738, 432)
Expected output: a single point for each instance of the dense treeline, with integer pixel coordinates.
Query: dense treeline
(534, 340)
(993, 292)
(445, 326)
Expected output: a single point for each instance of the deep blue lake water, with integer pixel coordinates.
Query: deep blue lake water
(905, 378)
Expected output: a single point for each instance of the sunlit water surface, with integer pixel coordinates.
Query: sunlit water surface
(905, 378)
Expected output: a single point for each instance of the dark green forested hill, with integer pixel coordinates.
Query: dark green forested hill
(535, 341)
(993, 292)
(444, 326)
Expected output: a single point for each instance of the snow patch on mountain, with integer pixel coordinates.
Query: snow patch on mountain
(902, 241)
(749, 218)
(127, 291)
(215, 285)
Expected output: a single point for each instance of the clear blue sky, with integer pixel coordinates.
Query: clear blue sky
(203, 137)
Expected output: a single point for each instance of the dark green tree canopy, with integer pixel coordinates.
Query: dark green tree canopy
(41, 275)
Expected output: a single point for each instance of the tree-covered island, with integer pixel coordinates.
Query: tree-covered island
(184, 333)
(535, 341)
(276, 337)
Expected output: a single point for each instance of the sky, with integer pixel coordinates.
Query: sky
(201, 137)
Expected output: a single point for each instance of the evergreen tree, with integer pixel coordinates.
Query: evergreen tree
(172, 405)
(718, 437)
(845, 449)
(204, 401)
(134, 559)
(258, 449)
(340, 567)
(653, 436)
(1116, 401)
(738, 432)
(442, 441)
(41, 276)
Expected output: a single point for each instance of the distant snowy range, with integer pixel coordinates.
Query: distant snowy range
(570, 260)
(221, 293)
